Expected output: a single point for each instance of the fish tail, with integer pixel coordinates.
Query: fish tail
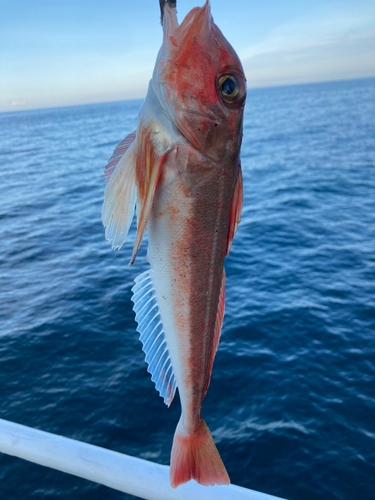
(195, 456)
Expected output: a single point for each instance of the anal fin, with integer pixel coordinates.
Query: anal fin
(152, 336)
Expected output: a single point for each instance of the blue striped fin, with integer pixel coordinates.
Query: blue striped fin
(152, 336)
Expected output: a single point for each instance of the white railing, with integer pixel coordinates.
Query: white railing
(131, 475)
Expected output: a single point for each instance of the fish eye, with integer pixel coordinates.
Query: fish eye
(229, 88)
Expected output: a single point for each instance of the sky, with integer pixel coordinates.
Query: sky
(59, 53)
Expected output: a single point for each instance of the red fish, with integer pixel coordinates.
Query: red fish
(182, 169)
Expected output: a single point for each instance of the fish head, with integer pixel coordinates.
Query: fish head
(200, 83)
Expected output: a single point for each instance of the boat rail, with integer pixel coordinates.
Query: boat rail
(131, 475)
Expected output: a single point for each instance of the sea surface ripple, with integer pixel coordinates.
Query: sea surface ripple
(291, 403)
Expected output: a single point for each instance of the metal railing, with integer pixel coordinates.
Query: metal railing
(128, 474)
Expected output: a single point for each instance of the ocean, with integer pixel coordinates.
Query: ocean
(291, 404)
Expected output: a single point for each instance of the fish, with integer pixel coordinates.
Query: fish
(181, 169)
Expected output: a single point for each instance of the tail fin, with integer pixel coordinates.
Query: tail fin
(195, 456)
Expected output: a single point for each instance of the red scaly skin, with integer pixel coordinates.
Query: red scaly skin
(190, 219)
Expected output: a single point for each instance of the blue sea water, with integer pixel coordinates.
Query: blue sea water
(291, 403)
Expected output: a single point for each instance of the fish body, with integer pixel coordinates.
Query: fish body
(183, 166)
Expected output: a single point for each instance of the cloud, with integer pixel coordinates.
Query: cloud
(331, 45)
(17, 103)
(330, 58)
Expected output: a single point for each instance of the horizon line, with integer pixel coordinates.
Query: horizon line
(142, 98)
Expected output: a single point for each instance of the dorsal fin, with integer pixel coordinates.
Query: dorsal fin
(218, 326)
(152, 336)
(120, 150)
(235, 214)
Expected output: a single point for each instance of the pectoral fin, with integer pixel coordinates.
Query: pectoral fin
(151, 155)
(118, 153)
(133, 173)
(119, 195)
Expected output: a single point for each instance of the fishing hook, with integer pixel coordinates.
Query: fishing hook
(172, 5)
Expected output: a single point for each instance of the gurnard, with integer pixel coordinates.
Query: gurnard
(181, 167)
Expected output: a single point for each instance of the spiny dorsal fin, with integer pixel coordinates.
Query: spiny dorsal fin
(153, 337)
